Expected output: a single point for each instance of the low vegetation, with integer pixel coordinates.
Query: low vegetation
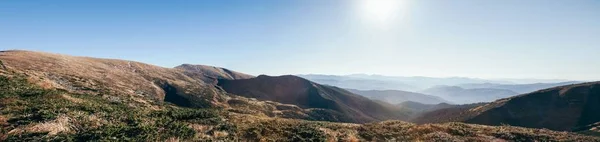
(30, 113)
(34, 114)
(38, 104)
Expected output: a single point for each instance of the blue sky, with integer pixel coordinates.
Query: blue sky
(544, 39)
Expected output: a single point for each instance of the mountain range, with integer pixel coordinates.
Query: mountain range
(397, 96)
(466, 96)
(55, 97)
(518, 88)
(458, 90)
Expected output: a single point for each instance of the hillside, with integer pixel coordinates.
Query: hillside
(145, 84)
(564, 108)
(306, 94)
(466, 96)
(54, 97)
(31, 113)
(397, 96)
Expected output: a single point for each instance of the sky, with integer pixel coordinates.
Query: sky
(541, 39)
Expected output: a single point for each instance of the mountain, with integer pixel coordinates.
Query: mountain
(187, 85)
(55, 97)
(563, 108)
(397, 96)
(306, 94)
(519, 88)
(465, 96)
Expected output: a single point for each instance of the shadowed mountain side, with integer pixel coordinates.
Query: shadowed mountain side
(562, 108)
(301, 92)
(146, 84)
(453, 113)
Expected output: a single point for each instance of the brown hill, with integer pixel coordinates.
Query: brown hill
(84, 74)
(306, 94)
(564, 108)
(186, 86)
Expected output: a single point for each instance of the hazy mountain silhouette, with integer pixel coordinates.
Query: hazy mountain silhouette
(465, 96)
(397, 96)
(417, 83)
(358, 83)
(519, 88)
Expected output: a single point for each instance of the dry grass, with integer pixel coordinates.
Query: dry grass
(3, 123)
(262, 120)
(61, 124)
(82, 74)
(75, 100)
(3, 120)
(172, 139)
(201, 130)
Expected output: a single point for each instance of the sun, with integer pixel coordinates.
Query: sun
(382, 11)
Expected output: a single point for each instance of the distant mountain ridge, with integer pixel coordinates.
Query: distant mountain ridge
(358, 83)
(418, 83)
(466, 96)
(397, 96)
(519, 88)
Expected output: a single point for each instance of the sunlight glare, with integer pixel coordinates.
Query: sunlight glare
(382, 11)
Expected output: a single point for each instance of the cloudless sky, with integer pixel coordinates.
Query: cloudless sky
(543, 39)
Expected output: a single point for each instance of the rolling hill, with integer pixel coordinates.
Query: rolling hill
(564, 108)
(306, 94)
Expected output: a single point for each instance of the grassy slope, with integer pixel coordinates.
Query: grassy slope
(30, 113)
